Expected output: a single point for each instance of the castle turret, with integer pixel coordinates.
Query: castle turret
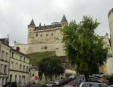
(64, 21)
(32, 24)
(31, 29)
(110, 19)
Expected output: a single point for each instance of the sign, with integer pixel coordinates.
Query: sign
(36, 77)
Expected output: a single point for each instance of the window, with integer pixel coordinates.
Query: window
(46, 34)
(51, 34)
(20, 67)
(11, 65)
(15, 78)
(40, 35)
(10, 78)
(20, 57)
(24, 59)
(2, 54)
(12, 55)
(6, 56)
(5, 69)
(36, 35)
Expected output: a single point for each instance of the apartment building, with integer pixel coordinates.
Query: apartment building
(4, 62)
(19, 68)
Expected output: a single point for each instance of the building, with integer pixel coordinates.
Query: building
(110, 19)
(4, 61)
(19, 68)
(107, 68)
(44, 38)
(49, 38)
(34, 77)
(14, 65)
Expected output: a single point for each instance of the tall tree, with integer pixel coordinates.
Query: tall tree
(84, 49)
(50, 66)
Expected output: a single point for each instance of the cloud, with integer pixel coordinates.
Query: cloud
(15, 15)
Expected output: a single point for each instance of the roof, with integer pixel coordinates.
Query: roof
(110, 12)
(32, 23)
(14, 49)
(64, 19)
(48, 26)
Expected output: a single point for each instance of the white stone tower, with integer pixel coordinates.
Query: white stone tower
(31, 29)
(110, 19)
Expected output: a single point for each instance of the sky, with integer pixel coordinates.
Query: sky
(15, 15)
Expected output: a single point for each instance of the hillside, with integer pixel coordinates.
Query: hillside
(37, 57)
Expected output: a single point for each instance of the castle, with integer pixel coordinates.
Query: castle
(49, 38)
(44, 38)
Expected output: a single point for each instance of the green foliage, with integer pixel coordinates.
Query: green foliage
(50, 66)
(83, 47)
(37, 57)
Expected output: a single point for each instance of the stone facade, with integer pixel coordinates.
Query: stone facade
(44, 38)
(19, 68)
(110, 19)
(107, 68)
(14, 65)
(4, 63)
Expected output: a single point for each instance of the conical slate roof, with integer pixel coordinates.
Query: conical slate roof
(32, 23)
(64, 19)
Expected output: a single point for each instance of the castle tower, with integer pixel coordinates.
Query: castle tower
(31, 29)
(110, 19)
(64, 21)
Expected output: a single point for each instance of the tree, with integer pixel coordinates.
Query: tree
(84, 49)
(50, 66)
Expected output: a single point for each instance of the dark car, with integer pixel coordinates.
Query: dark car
(10, 84)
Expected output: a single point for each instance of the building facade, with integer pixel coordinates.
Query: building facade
(14, 65)
(19, 68)
(110, 19)
(4, 63)
(44, 38)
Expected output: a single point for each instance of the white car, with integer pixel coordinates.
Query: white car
(49, 84)
(110, 86)
(92, 84)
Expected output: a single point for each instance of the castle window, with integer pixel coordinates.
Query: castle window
(40, 35)
(51, 34)
(46, 34)
(36, 35)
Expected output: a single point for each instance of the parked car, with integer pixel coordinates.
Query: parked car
(10, 84)
(72, 77)
(50, 84)
(59, 82)
(69, 85)
(92, 84)
(1, 86)
(110, 86)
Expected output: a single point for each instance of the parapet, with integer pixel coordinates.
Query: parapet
(48, 26)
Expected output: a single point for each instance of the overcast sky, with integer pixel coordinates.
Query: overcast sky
(15, 15)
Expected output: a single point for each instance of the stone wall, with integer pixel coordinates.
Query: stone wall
(42, 47)
(110, 19)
